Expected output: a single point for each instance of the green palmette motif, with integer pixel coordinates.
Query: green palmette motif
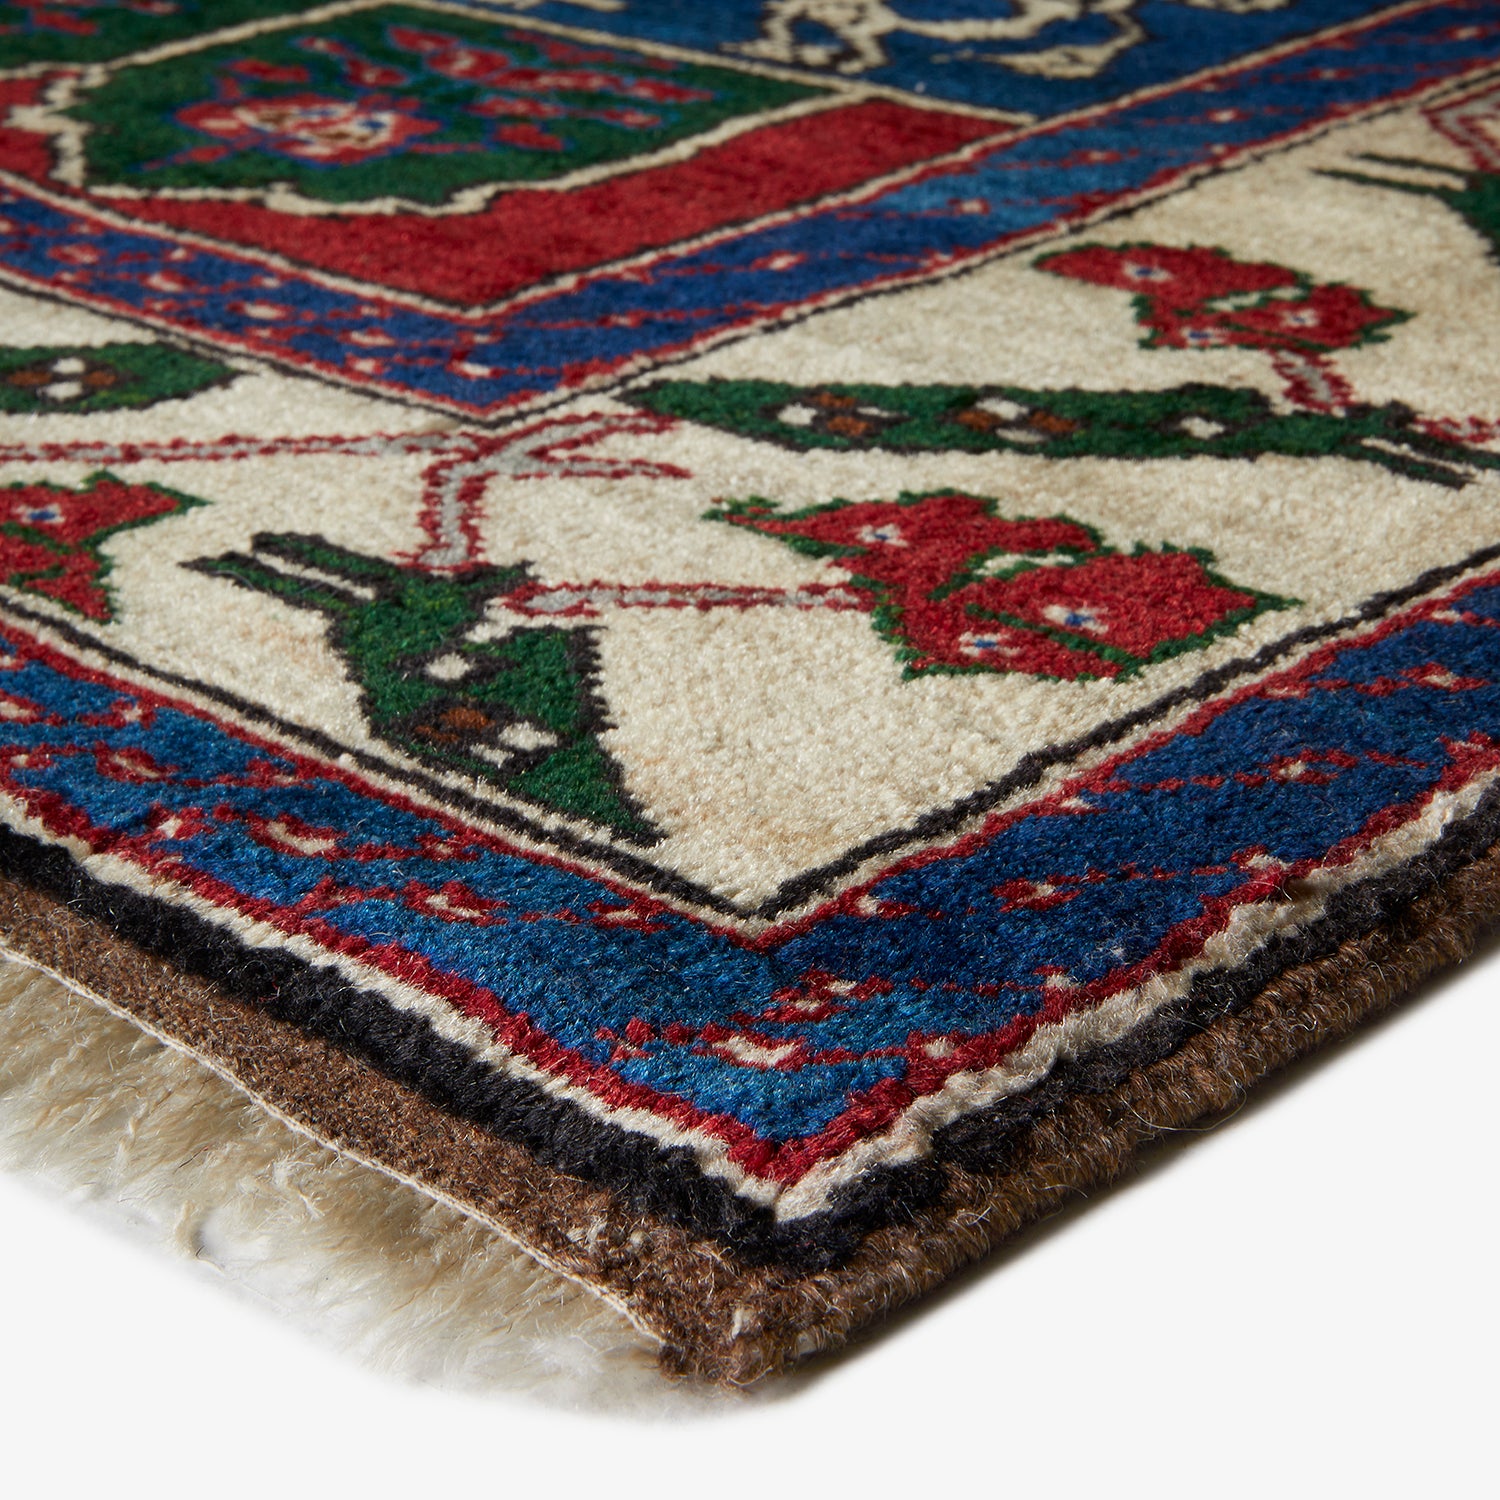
(515, 707)
(102, 377)
(1185, 421)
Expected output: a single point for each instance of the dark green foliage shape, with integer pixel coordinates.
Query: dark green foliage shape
(389, 624)
(1186, 421)
(1475, 197)
(115, 376)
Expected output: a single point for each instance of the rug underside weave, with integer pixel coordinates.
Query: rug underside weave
(748, 642)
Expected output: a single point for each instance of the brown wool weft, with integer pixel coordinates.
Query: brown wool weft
(663, 673)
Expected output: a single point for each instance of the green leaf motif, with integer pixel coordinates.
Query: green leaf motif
(519, 709)
(1185, 421)
(85, 378)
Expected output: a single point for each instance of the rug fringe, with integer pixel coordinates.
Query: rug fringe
(107, 1114)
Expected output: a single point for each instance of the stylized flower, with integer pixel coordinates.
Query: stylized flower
(1134, 604)
(959, 588)
(50, 536)
(1202, 298)
(311, 127)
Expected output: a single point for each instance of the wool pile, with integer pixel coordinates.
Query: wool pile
(744, 642)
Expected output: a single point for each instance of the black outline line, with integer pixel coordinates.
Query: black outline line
(816, 884)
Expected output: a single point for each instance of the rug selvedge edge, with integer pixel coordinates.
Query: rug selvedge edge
(722, 1320)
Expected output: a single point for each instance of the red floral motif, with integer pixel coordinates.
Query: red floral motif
(639, 914)
(452, 57)
(131, 764)
(1134, 603)
(1202, 298)
(290, 834)
(50, 536)
(309, 127)
(14, 709)
(959, 588)
(452, 901)
(818, 996)
(171, 824)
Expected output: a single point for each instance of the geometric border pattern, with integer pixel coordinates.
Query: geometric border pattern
(599, 328)
(806, 1073)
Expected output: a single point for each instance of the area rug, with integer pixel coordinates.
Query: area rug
(748, 642)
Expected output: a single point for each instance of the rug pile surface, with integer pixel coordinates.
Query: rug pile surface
(749, 640)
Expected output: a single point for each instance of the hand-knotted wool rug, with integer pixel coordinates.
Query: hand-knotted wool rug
(749, 640)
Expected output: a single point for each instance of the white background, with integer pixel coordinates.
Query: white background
(1300, 1303)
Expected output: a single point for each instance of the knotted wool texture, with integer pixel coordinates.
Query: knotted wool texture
(749, 642)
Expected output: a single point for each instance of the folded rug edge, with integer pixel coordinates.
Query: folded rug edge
(142, 1138)
(729, 1323)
